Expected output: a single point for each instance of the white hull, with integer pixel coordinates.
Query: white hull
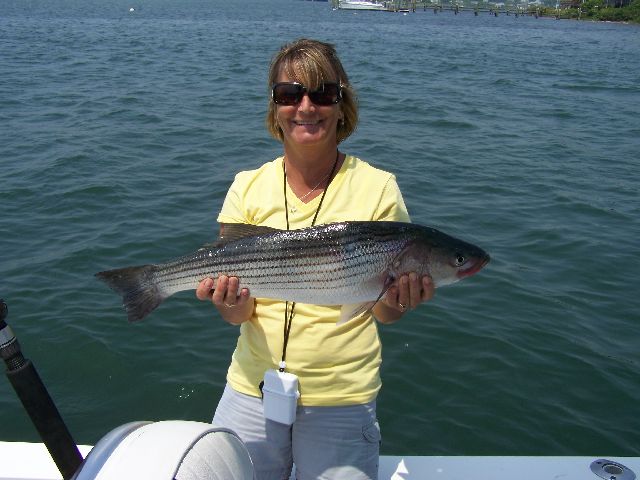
(31, 461)
(360, 5)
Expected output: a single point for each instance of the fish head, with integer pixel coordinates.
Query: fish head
(448, 259)
(469, 261)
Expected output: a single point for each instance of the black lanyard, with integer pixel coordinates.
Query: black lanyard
(288, 315)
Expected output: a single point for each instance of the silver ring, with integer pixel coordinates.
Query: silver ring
(402, 306)
(230, 306)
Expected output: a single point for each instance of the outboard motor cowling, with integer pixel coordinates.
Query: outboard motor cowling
(168, 450)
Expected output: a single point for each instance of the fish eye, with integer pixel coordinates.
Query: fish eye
(460, 259)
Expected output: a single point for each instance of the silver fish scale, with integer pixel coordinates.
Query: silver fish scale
(334, 264)
(327, 266)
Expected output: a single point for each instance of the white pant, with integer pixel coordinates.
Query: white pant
(325, 443)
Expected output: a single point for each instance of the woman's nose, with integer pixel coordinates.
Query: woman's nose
(306, 104)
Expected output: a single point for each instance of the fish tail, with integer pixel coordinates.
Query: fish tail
(140, 292)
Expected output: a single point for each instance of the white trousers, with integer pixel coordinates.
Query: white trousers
(325, 443)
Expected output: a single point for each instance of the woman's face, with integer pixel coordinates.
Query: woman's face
(308, 124)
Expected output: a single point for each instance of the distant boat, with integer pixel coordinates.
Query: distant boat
(360, 5)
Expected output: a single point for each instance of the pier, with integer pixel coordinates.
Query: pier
(406, 6)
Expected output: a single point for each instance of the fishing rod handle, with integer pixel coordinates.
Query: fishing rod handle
(3, 310)
(37, 402)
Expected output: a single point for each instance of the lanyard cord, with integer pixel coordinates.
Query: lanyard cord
(288, 315)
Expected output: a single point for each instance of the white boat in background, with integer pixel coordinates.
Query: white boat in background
(360, 5)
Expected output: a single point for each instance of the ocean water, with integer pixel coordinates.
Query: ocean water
(121, 132)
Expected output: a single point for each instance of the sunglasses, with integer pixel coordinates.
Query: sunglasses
(291, 93)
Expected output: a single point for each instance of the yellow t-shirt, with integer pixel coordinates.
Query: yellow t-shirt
(336, 364)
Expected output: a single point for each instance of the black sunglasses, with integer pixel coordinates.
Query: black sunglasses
(291, 93)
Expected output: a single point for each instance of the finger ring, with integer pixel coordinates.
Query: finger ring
(402, 306)
(229, 305)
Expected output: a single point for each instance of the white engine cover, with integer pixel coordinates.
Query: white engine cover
(179, 450)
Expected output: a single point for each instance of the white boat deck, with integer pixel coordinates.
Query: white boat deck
(31, 461)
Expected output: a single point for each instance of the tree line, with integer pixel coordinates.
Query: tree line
(601, 10)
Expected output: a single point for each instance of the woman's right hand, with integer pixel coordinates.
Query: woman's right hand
(235, 307)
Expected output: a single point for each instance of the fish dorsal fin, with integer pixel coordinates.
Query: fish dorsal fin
(235, 231)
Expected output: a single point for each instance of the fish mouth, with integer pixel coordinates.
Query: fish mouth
(474, 266)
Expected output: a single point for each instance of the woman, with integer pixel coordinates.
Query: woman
(335, 434)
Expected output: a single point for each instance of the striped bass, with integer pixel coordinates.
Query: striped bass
(349, 263)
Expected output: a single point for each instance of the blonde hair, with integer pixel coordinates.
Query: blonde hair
(312, 63)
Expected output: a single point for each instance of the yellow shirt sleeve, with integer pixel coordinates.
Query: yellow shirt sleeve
(336, 364)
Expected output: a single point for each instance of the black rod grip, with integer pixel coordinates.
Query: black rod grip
(45, 416)
(37, 402)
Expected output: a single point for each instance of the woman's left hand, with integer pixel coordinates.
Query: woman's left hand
(406, 294)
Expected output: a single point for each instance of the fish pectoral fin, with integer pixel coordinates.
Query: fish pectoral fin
(349, 311)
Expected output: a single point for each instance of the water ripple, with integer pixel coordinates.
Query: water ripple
(122, 133)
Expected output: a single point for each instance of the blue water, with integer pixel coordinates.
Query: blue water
(121, 131)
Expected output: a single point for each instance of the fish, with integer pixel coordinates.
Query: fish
(349, 264)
